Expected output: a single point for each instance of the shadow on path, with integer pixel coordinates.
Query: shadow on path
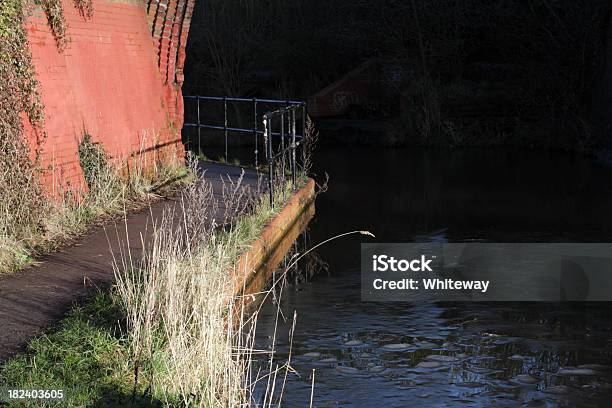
(39, 295)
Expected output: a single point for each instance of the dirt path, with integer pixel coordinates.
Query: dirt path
(34, 298)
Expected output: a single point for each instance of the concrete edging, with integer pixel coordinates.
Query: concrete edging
(256, 265)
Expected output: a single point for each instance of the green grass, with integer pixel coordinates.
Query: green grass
(91, 353)
(86, 355)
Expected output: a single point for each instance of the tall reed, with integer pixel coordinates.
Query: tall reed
(190, 338)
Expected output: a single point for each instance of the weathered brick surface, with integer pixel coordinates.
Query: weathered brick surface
(116, 80)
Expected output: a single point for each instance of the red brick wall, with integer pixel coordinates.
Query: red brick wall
(118, 79)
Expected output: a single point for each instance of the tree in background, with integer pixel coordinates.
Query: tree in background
(477, 72)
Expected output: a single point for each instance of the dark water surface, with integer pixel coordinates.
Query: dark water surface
(429, 354)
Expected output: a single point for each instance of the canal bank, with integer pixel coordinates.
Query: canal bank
(160, 335)
(256, 266)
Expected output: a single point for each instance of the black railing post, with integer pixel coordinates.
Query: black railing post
(255, 131)
(199, 123)
(282, 149)
(268, 140)
(225, 126)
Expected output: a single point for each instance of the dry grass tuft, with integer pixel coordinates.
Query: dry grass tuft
(31, 222)
(185, 332)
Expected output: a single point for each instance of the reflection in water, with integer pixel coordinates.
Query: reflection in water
(434, 354)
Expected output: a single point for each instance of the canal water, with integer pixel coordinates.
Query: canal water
(426, 353)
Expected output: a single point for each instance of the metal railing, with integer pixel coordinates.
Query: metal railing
(286, 150)
(278, 134)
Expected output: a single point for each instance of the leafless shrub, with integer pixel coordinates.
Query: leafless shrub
(311, 137)
(184, 328)
(237, 198)
(200, 207)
